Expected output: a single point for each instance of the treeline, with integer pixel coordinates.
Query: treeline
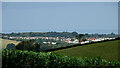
(86, 35)
(56, 34)
(42, 34)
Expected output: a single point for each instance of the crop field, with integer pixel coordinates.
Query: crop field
(5, 42)
(106, 50)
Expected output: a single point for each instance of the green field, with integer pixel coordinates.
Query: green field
(5, 42)
(106, 50)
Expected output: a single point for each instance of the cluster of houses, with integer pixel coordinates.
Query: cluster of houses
(53, 43)
(55, 38)
(100, 39)
(89, 40)
(68, 40)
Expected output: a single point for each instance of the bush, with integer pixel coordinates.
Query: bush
(10, 46)
(29, 45)
(29, 59)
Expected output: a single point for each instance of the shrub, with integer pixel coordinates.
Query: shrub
(10, 46)
(29, 59)
(29, 45)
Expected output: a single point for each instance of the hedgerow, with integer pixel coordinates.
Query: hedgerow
(30, 59)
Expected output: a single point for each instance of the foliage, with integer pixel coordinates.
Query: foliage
(42, 34)
(79, 36)
(54, 34)
(84, 39)
(10, 46)
(25, 59)
(37, 44)
(29, 45)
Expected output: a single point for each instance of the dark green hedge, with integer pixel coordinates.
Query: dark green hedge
(25, 59)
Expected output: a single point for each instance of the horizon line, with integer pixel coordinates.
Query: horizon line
(57, 31)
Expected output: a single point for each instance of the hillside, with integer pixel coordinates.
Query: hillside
(55, 34)
(42, 34)
(5, 42)
(106, 50)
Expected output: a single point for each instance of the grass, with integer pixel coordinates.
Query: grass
(106, 50)
(6, 41)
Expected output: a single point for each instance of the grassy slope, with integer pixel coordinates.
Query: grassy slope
(106, 50)
(5, 42)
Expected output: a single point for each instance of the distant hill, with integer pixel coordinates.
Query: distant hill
(56, 34)
(42, 34)
(106, 50)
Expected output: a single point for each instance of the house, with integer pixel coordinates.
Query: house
(54, 43)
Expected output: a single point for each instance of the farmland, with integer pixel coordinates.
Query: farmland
(106, 50)
(5, 42)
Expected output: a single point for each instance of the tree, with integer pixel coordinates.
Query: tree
(30, 45)
(74, 34)
(84, 39)
(10, 46)
(37, 47)
(79, 36)
(86, 33)
(72, 40)
(112, 33)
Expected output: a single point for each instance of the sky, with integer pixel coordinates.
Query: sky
(60, 0)
(82, 17)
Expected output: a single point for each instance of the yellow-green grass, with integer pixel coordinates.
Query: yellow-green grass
(106, 50)
(6, 41)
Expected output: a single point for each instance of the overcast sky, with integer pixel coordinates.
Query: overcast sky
(82, 17)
